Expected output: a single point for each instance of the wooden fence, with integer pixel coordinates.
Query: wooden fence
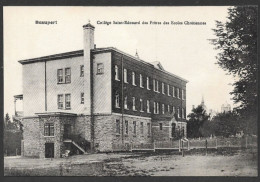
(232, 142)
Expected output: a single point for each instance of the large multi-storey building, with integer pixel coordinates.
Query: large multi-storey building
(103, 95)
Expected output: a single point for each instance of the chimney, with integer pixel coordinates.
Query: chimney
(88, 42)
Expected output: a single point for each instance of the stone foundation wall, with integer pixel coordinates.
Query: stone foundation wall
(31, 137)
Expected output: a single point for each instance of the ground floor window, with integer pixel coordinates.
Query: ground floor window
(48, 129)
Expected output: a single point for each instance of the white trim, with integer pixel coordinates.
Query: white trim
(141, 117)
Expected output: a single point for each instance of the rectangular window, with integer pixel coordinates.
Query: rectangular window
(168, 109)
(154, 107)
(125, 75)
(67, 75)
(154, 86)
(117, 126)
(134, 127)
(148, 106)
(157, 86)
(173, 109)
(178, 112)
(142, 128)
(67, 101)
(48, 129)
(173, 92)
(117, 101)
(162, 88)
(100, 68)
(183, 113)
(148, 129)
(116, 73)
(81, 70)
(160, 125)
(126, 127)
(125, 103)
(178, 93)
(168, 90)
(162, 108)
(147, 83)
(133, 78)
(183, 94)
(134, 104)
(82, 98)
(60, 101)
(60, 75)
(141, 81)
(158, 109)
(141, 105)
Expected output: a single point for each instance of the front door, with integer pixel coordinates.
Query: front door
(49, 150)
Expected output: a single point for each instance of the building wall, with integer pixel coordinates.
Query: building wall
(33, 88)
(102, 84)
(147, 70)
(75, 88)
(31, 137)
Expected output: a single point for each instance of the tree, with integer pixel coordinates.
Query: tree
(195, 121)
(237, 42)
(9, 125)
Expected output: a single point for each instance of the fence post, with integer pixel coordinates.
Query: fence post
(179, 145)
(206, 147)
(188, 144)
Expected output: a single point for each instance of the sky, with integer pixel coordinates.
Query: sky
(184, 50)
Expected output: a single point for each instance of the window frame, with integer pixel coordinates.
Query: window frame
(67, 101)
(117, 101)
(60, 101)
(148, 83)
(141, 105)
(125, 103)
(160, 126)
(133, 104)
(125, 76)
(100, 70)
(163, 88)
(117, 73)
(141, 81)
(60, 76)
(133, 78)
(148, 106)
(49, 129)
(67, 76)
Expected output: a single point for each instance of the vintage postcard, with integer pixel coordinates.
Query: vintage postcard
(130, 91)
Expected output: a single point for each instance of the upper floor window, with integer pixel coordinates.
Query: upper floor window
(148, 106)
(183, 113)
(126, 127)
(158, 109)
(60, 101)
(67, 101)
(117, 100)
(168, 90)
(125, 103)
(116, 73)
(133, 78)
(142, 128)
(118, 126)
(141, 105)
(157, 86)
(178, 93)
(125, 75)
(49, 129)
(173, 91)
(67, 75)
(100, 68)
(162, 88)
(173, 109)
(183, 94)
(162, 108)
(134, 104)
(178, 112)
(81, 70)
(147, 83)
(82, 98)
(60, 75)
(141, 81)
(154, 85)
(134, 127)
(154, 107)
(168, 109)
